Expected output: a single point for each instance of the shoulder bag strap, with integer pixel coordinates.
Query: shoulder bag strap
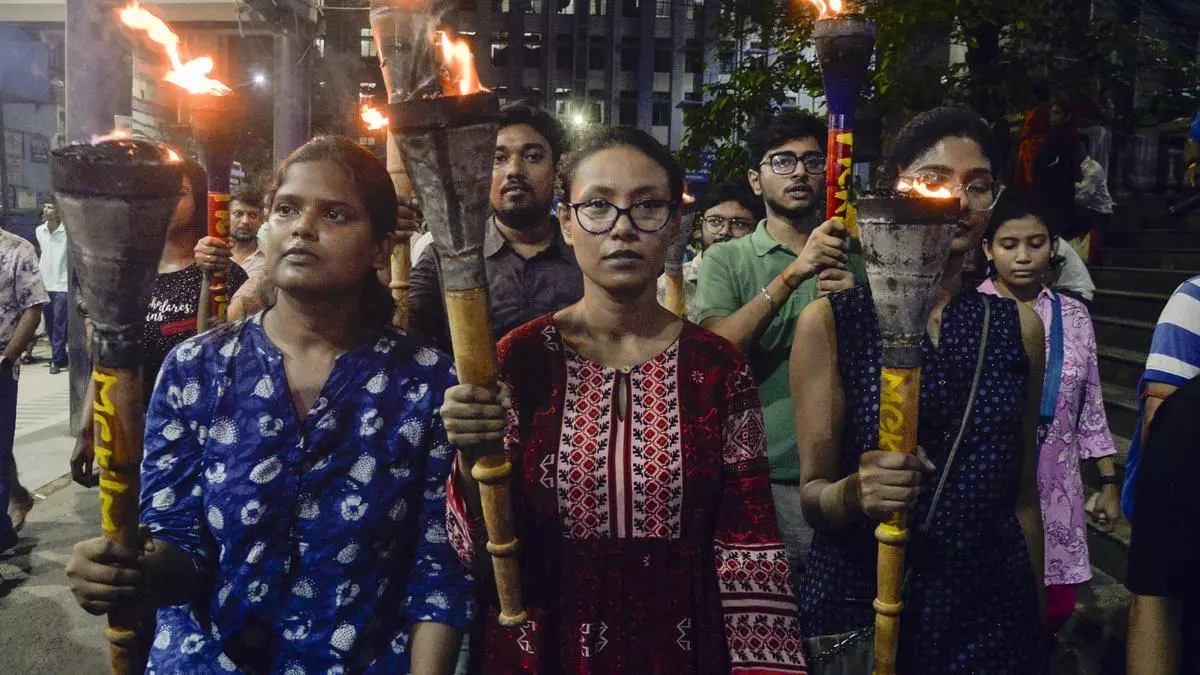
(962, 430)
(1054, 362)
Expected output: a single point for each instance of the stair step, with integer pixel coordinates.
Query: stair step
(1115, 331)
(1153, 238)
(1148, 280)
(1159, 258)
(1130, 304)
(1093, 641)
(1121, 407)
(1122, 367)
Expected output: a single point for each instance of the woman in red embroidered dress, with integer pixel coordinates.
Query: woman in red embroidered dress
(648, 538)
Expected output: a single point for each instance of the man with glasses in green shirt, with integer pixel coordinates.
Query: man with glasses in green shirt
(752, 289)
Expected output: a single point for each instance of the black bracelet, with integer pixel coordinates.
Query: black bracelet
(1109, 480)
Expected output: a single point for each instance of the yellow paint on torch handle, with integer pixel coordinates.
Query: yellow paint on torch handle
(118, 421)
(899, 399)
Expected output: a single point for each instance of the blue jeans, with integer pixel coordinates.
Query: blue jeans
(8, 427)
(55, 313)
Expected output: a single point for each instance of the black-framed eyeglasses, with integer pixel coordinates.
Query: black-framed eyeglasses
(599, 216)
(981, 193)
(735, 224)
(784, 163)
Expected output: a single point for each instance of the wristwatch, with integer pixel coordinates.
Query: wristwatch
(1109, 480)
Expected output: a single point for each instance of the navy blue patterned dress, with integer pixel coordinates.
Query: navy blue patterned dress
(320, 540)
(971, 606)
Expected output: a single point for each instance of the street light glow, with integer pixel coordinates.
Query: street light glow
(578, 120)
(260, 79)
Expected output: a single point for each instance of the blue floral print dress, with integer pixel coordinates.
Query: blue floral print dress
(319, 541)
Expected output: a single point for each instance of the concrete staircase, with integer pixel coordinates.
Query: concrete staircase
(1142, 261)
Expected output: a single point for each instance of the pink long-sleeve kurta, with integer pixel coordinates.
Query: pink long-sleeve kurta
(648, 539)
(1079, 431)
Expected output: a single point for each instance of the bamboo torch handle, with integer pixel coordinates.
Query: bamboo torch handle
(838, 172)
(675, 300)
(475, 360)
(401, 279)
(204, 306)
(401, 269)
(218, 226)
(900, 395)
(118, 440)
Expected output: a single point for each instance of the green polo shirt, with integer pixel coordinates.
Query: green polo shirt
(734, 273)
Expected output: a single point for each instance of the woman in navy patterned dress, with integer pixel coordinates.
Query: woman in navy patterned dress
(641, 499)
(293, 483)
(972, 605)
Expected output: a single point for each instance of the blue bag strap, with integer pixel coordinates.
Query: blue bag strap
(1054, 362)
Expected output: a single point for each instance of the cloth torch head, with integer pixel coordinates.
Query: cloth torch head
(403, 30)
(906, 242)
(448, 144)
(844, 46)
(116, 199)
(677, 251)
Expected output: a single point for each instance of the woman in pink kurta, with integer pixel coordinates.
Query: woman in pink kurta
(1020, 245)
(640, 491)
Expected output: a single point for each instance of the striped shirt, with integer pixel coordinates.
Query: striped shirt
(1174, 359)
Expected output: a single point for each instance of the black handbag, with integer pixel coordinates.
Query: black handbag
(853, 652)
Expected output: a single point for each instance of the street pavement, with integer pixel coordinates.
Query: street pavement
(42, 630)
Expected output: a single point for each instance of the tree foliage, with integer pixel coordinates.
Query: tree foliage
(1017, 54)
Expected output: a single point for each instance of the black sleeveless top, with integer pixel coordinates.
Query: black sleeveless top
(971, 605)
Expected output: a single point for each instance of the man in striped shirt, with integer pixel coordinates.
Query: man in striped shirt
(1174, 359)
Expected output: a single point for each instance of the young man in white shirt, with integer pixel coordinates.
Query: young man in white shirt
(52, 239)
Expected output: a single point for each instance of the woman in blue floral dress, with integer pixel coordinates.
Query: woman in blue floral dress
(293, 482)
(972, 605)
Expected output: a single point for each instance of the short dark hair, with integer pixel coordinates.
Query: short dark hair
(378, 194)
(614, 137)
(248, 194)
(926, 129)
(738, 192)
(789, 125)
(542, 122)
(1015, 204)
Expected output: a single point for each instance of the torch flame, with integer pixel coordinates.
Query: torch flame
(114, 135)
(827, 10)
(192, 75)
(173, 156)
(920, 187)
(459, 63)
(373, 117)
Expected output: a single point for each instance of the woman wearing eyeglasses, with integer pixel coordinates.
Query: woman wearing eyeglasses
(971, 603)
(648, 538)
(730, 211)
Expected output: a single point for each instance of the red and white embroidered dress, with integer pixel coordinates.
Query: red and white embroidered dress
(648, 539)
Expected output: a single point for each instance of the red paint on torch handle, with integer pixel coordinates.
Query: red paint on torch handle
(839, 167)
(218, 226)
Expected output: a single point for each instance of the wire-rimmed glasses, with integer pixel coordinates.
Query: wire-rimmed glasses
(981, 193)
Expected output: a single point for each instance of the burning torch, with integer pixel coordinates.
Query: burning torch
(906, 241)
(844, 44)
(392, 27)
(444, 124)
(216, 117)
(675, 297)
(117, 198)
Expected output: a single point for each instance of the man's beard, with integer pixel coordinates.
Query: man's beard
(524, 218)
(243, 239)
